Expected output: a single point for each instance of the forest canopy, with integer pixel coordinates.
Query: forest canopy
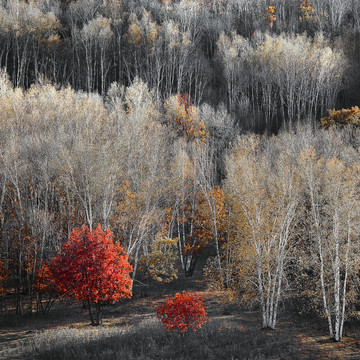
(270, 63)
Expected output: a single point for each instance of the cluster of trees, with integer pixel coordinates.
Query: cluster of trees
(128, 114)
(293, 203)
(130, 163)
(285, 215)
(215, 51)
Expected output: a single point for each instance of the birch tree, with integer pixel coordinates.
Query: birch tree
(95, 37)
(332, 189)
(263, 191)
(143, 147)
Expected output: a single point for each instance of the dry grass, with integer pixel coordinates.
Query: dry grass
(219, 339)
(130, 330)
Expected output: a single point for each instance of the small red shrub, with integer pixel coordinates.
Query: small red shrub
(184, 312)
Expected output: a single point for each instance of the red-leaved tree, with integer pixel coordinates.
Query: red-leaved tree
(93, 269)
(184, 312)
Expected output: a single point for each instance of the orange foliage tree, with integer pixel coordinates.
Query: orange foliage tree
(307, 12)
(195, 225)
(3, 278)
(271, 17)
(203, 224)
(92, 269)
(45, 286)
(183, 313)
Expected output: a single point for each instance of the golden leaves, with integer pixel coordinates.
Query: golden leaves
(341, 118)
(134, 35)
(270, 16)
(159, 264)
(185, 117)
(307, 11)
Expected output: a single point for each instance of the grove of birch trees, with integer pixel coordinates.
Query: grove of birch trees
(225, 131)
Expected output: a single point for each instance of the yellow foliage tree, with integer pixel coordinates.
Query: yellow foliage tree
(159, 264)
(263, 191)
(331, 188)
(185, 118)
(341, 118)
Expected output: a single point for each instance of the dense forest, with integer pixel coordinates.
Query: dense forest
(225, 127)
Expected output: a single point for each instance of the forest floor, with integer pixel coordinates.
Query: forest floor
(130, 330)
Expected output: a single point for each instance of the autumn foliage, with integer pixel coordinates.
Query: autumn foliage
(45, 288)
(3, 278)
(341, 118)
(187, 121)
(159, 264)
(91, 268)
(200, 218)
(184, 312)
(271, 17)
